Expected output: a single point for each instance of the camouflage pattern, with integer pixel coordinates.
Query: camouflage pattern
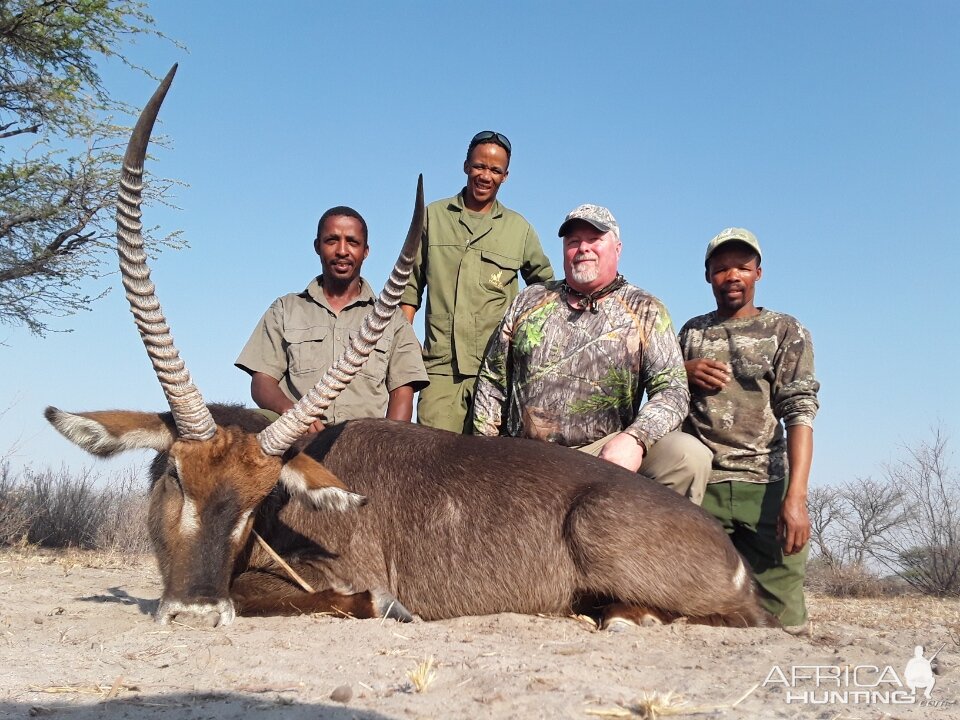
(571, 377)
(772, 385)
(732, 234)
(597, 215)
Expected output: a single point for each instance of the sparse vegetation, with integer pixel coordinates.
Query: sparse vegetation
(58, 509)
(907, 524)
(422, 675)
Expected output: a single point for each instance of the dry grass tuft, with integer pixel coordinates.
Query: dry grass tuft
(650, 706)
(422, 675)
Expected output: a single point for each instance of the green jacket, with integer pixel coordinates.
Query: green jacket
(470, 263)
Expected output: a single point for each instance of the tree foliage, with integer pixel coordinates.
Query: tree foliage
(60, 150)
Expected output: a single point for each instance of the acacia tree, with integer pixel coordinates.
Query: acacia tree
(60, 151)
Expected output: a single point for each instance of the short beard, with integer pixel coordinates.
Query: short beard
(584, 273)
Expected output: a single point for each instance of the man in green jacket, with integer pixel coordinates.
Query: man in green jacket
(472, 253)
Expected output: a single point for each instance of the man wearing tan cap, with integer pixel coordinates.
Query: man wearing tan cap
(751, 375)
(572, 359)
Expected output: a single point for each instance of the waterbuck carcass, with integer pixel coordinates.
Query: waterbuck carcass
(376, 518)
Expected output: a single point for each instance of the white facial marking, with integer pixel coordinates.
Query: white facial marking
(237, 533)
(189, 518)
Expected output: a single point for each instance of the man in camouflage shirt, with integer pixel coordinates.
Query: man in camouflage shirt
(571, 360)
(751, 373)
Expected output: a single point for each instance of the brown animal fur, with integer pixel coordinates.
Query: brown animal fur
(511, 525)
(454, 525)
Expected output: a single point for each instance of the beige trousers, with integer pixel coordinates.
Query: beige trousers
(677, 460)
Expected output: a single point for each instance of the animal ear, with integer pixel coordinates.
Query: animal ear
(109, 432)
(307, 479)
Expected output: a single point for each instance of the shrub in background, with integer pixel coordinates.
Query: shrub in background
(60, 509)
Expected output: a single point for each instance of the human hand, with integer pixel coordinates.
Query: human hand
(623, 450)
(707, 374)
(793, 525)
(316, 426)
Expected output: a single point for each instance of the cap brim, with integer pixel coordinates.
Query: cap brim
(566, 224)
(728, 241)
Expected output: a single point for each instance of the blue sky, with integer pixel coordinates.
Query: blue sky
(829, 129)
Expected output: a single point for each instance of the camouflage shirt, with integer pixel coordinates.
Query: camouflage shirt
(771, 357)
(574, 376)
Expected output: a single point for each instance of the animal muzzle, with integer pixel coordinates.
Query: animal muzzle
(214, 613)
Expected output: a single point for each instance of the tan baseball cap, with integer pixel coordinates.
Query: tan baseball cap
(733, 234)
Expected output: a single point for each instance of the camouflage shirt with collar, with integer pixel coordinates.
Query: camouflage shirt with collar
(772, 385)
(574, 376)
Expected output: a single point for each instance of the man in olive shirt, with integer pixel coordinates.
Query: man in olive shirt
(753, 402)
(302, 334)
(472, 252)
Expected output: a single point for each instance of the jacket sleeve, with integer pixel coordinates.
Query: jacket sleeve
(536, 266)
(405, 365)
(266, 350)
(413, 292)
(795, 387)
(664, 380)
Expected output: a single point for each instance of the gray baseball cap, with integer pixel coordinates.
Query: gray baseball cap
(598, 216)
(733, 234)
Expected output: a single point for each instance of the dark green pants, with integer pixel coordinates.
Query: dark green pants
(749, 512)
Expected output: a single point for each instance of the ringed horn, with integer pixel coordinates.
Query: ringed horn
(193, 419)
(289, 427)
(190, 413)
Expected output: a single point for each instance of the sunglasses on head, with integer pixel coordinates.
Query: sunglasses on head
(491, 136)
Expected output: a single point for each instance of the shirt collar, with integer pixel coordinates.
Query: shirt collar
(315, 292)
(457, 204)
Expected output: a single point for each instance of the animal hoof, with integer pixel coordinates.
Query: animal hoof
(389, 607)
(618, 625)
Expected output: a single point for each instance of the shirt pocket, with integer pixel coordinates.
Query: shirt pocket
(308, 350)
(498, 272)
(375, 368)
(437, 341)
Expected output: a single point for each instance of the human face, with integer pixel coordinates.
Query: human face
(732, 272)
(486, 170)
(590, 257)
(342, 248)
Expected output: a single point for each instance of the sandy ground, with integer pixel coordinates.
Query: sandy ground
(77, 640)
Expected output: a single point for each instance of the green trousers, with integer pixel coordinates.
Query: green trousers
(749, 512)
(445, 403)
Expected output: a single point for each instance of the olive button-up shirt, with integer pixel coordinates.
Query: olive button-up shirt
(300, 336)
(471, 263)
